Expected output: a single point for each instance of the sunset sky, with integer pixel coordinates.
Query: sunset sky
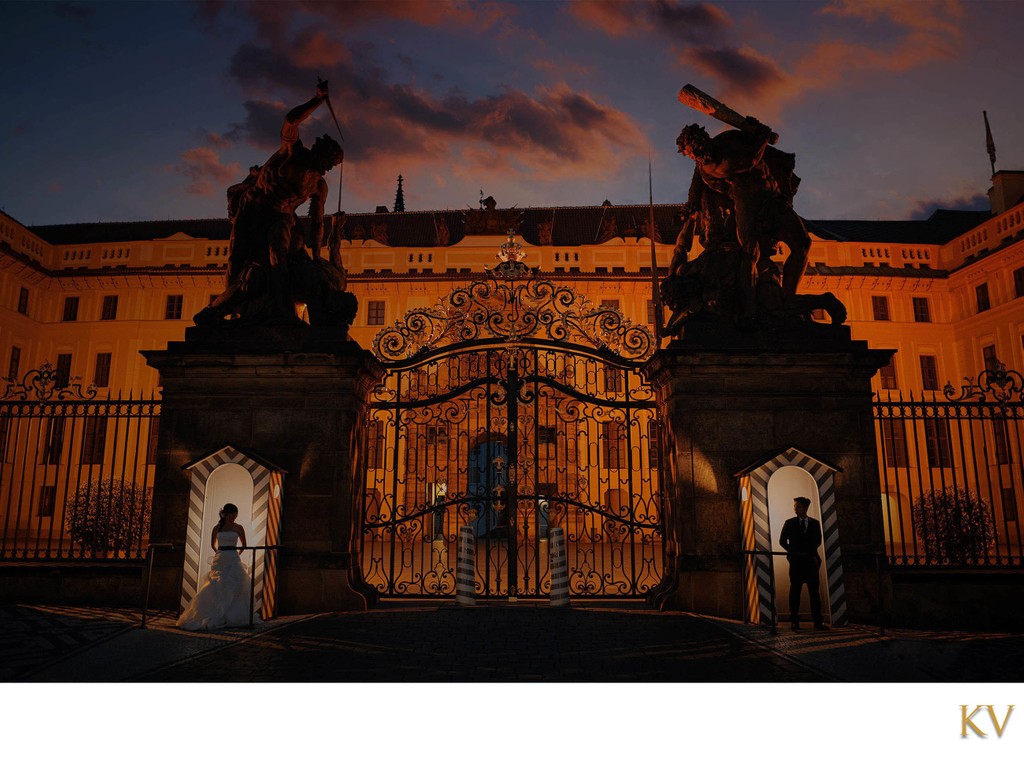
(117, 111)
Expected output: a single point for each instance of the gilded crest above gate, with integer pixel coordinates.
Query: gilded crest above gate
(511, 304)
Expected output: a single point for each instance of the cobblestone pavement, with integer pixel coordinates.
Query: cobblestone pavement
(34, 636)
(523, 643)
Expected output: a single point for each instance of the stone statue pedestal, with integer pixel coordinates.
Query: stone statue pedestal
(296, 396)
(727, 398)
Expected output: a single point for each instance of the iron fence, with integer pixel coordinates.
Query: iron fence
(76, 470)
(951, 476)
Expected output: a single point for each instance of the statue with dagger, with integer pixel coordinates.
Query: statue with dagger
(740, 203)
(270, 270)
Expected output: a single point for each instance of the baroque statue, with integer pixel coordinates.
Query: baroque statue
(740, 204)
(272, 268)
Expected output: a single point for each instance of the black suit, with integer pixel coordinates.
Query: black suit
(802, 552)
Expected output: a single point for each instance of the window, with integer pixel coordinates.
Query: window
(375, 442)
(437, 436)
(880, 308)
(1009, 505)
(62, 375)
(47, 501)
(70, 309)
(102, 377)
(936, 439)
(15, 364)
(650, 313)
(652, 443)
(173, 308)
(613, 380)
(5, 430)
(375, 313)
(1018, 282)
(613, 445)
(922, 313)
(609, 303)
(54, 440)
(894, 442)
(1002, 441)
(547, 435)
(94, 440)
(929, 373)
(153, 439)
(981, 294)
(888, 374)
(23, 301)
(109, 308)
(988, 354)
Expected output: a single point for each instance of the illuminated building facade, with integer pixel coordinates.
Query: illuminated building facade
(947, 293)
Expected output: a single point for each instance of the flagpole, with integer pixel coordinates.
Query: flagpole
(655, 289)
(990, 144)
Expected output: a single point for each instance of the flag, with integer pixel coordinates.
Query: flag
(990, 144)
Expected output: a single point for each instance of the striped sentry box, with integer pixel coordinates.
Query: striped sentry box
(265, 528)
(757, 530)
(559, 568)
(465, 580)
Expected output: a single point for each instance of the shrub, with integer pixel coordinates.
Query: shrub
(108, 517)
(955, 525)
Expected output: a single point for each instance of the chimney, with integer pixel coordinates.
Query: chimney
(1007, 190)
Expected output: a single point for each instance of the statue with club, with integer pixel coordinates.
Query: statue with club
(741, 203)
(270, 270)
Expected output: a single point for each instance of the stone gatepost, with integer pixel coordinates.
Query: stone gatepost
(727, 399)
(297, 396)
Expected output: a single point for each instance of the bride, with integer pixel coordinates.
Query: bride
(223, 598)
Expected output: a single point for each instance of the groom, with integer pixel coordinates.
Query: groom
(801, 537)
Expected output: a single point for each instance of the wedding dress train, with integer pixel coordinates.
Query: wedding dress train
(223, 597)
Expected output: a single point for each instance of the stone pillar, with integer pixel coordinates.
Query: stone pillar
(726, 399)
(296, 396)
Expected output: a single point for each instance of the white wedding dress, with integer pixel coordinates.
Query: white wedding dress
(223, 597)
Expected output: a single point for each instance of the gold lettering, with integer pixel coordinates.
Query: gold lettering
(992, 714)
(965, 721)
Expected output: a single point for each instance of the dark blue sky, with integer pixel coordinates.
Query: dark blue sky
(135, 110)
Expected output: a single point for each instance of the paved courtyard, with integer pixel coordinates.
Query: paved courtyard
(523, 643)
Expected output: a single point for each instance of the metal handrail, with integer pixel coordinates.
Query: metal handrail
(150, 555)
(771, 575)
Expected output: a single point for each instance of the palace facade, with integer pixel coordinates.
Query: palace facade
(947, 293)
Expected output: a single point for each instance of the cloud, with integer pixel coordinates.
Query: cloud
(682, 22)
(740, 71)
(274, 19)
(393, 127)
(561, 67)
(204, 170)
(873, 36)
(923, 209)
(218, 140)
(397, 116)
(935, 17)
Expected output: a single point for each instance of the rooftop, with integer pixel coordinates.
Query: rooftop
(559, 226)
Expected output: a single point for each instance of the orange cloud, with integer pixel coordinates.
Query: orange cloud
(926, 32)
(693, 22)
(941, 17)
(206, 173)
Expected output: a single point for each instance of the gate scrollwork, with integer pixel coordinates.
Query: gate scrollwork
(511, 304)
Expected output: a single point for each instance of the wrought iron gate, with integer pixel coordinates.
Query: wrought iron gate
(514, 406)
